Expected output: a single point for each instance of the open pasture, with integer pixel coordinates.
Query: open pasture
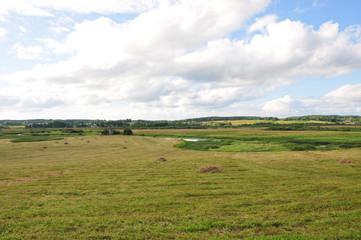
(113, 187)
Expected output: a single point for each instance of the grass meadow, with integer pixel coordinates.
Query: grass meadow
(112, 187)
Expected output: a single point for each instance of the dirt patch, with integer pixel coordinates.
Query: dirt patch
(161, 159)
(209, 169)
(346, 161)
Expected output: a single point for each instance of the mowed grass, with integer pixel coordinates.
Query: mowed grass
(18, 134)
(111, 187)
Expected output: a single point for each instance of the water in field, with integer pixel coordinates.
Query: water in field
(188, 139)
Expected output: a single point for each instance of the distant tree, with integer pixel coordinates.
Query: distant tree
(58, 124)
(104, 132)
(128, 131)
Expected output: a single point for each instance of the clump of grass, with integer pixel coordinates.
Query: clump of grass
(161, 159)
(301, 147)
(209, 169)
(346, 161)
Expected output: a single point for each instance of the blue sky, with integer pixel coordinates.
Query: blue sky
(175, 59)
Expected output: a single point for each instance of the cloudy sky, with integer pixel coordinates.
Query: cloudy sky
(176, 59)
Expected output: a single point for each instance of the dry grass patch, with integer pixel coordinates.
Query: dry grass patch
(346, 161)
(209, 169)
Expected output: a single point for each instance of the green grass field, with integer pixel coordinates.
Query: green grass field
(260, 140)
(112, 187)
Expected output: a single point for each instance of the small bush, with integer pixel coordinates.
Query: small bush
(127, 131)
(104, 132)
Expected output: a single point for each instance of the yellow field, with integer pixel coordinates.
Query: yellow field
(247, 122)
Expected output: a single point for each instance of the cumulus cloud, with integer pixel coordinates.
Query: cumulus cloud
(177, 56)
(287, 50)
(285, 106)
(153, 38)
(30, 52)
(347, 94)
(343, 100)
(262, 22)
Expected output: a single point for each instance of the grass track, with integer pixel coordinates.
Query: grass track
(94, 188)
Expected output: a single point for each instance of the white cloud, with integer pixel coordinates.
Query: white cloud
(285, 106)
(177, 56)
(31, 52)
(262, 22)
(158, 35)
(24, 7)
(318, 3)
(347, 94)
(315, 4)
(344, 100)
(134, 61)
(287, 50)
(59, 29)
(45, 8)
(3, 33)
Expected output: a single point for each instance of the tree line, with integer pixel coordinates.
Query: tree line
(186, 123)
(327, 118)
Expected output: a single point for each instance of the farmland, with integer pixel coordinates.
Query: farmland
(80, 185)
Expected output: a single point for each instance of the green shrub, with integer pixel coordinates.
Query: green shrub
(128, 131)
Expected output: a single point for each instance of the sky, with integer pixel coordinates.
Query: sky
(178, 59)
